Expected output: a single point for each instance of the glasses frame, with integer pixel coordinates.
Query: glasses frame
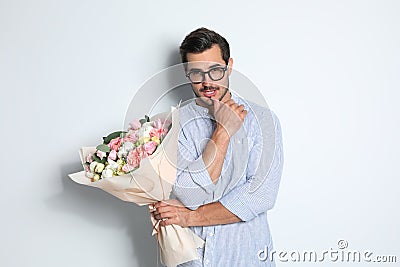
(203, 73)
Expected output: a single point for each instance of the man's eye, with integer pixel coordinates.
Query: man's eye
(215, 69)
(196, 73)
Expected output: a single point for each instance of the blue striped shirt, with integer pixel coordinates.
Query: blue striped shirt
(247, 187)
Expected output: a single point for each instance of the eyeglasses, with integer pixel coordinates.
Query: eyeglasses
(198, 76)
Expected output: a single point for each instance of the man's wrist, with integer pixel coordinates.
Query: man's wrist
(221, 134)
(194, 217)
(190, 218)
(211, 214)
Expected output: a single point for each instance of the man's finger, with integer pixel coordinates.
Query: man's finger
(229, 102)
(240, 108)
(157, 217)
(243, 114)
(167, 215)
(165, 209)
(161, 204)
(169, 222)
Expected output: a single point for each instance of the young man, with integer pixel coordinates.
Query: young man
(227, 176)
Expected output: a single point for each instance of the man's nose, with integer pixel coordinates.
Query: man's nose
(207, 80)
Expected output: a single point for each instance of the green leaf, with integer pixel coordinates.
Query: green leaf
(103, 148)
(146, 119)
(97, 159)
(113, 135)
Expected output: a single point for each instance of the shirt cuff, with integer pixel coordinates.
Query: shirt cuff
(235, 203)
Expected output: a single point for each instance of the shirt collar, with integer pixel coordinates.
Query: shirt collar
(198, 108)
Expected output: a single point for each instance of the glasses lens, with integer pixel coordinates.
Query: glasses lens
(196, 76)
(217, 74)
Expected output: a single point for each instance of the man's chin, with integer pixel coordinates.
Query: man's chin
(206, 100)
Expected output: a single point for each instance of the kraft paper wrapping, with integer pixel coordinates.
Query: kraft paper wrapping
(150, 183)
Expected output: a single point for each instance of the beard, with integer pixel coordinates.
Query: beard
(206, 100)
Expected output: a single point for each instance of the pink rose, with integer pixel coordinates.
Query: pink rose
(161, 132)
(131, 137)
(101, 154)
(133, 159)
(158, 124)
(127, 168)
(150, 147)
(112, 155)
(141, 152)
(87, 168)
(161, 124)
(115, 144)
(89, 158)
(135, 124)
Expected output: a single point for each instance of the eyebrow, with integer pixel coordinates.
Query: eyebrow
(212, 66)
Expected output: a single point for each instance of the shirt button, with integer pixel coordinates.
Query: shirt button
(211, 234)
(206, 261)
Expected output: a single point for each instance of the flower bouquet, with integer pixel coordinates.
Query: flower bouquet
(139, 165)
(121, 152)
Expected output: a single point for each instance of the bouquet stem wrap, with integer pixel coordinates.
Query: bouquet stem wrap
(150, 183)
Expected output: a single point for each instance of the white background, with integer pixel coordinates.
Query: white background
(68, 69)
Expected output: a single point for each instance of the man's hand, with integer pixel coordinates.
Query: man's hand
(229, 115)
(171, 211)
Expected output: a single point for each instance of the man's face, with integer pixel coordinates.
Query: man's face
(210, 59)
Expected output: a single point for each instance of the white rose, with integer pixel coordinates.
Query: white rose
(89, 175)
(93, 166)
(99, 167)
(112, 164)
(128, 146)
(125, 148)
(108, 173)
(145, 130)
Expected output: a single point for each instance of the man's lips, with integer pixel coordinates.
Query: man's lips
(209, 92)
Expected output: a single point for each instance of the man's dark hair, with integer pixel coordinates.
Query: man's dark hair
(202, 39)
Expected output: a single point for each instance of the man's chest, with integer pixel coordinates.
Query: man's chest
(235, 167)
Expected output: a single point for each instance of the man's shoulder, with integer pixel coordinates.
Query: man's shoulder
(252, 108)
(186, 105)
(257, 109)
(258, 115)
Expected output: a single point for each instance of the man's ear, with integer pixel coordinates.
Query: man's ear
(185, 66)
(230, 64)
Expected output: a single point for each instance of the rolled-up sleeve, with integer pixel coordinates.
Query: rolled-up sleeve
(258, 194)
(193, 185)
